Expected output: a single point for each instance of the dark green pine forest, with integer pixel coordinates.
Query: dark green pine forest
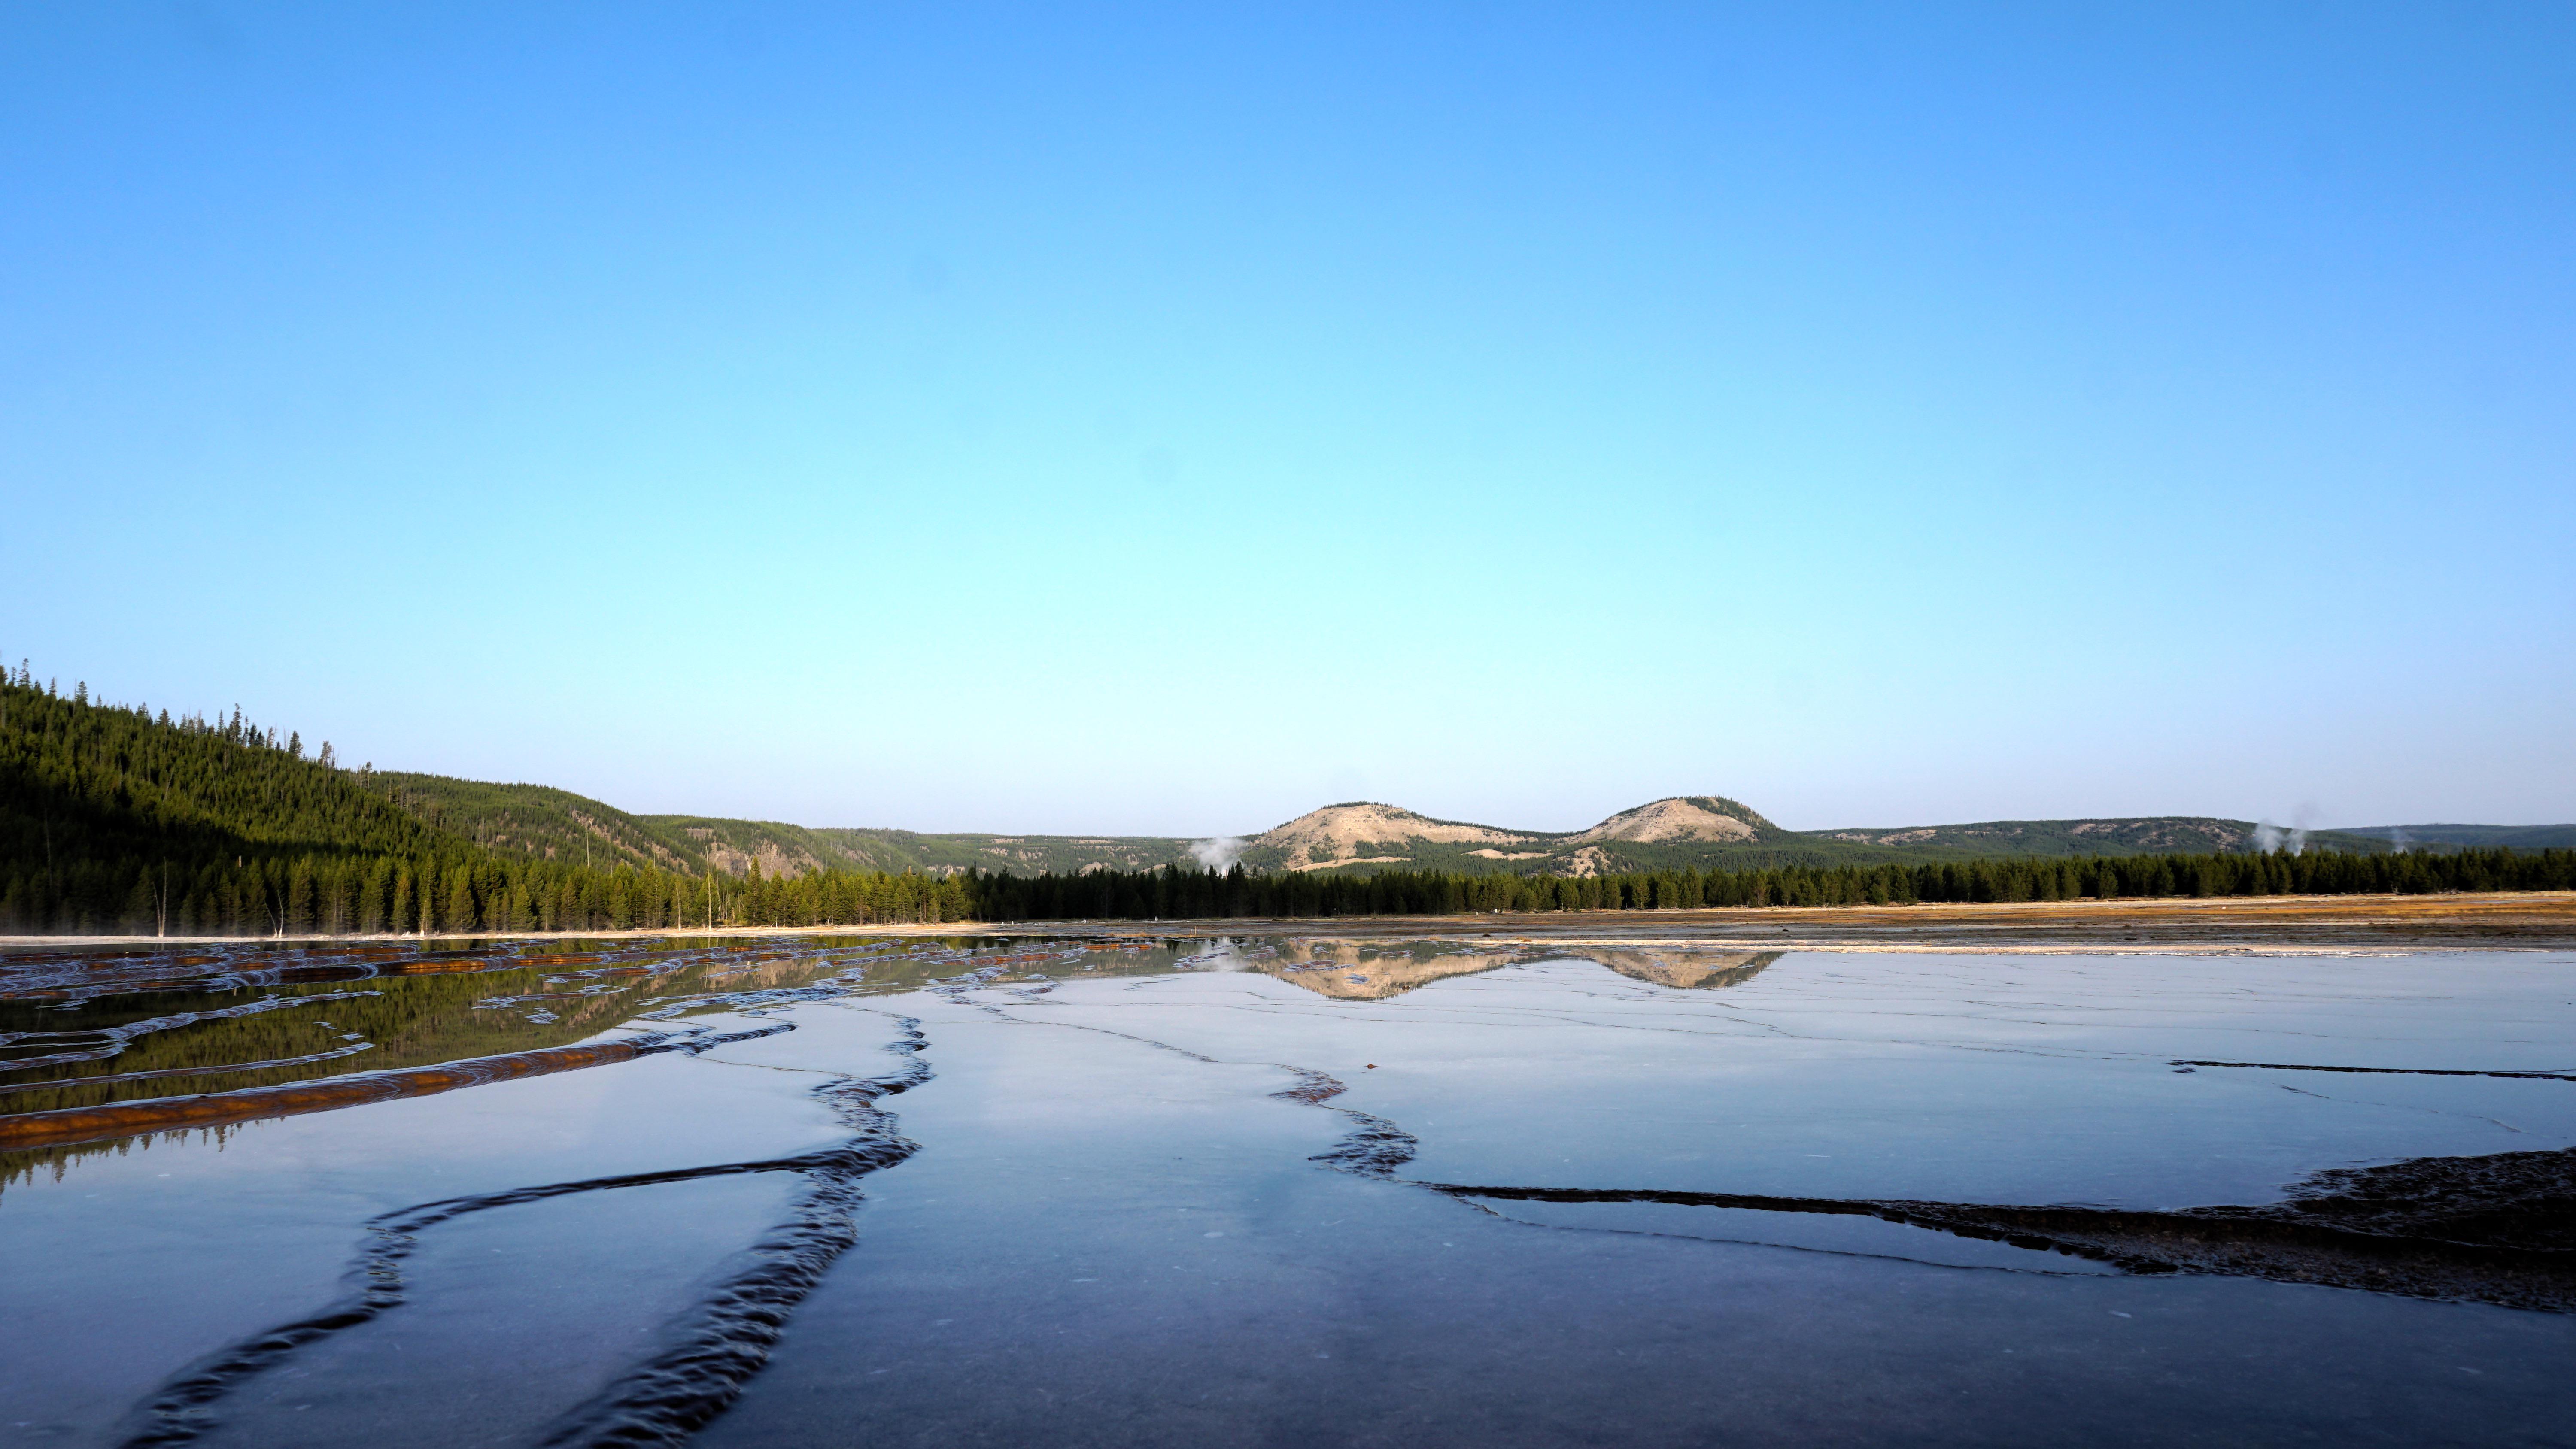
(117, 820)
(114, 820)
(1177, 894)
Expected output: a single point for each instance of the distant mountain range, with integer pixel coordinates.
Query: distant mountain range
(1680, 831)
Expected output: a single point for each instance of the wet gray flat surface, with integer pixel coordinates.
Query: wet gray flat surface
(1113, 1227)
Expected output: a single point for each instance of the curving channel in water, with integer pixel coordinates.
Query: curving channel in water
(614, 1195)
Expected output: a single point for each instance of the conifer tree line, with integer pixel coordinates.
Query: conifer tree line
(1175, 894)
(114, 820)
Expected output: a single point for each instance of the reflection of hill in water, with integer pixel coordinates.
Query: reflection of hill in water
(1685, 970)
(1372, 970)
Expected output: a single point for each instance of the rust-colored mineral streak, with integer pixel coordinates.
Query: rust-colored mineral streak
(216, 1109)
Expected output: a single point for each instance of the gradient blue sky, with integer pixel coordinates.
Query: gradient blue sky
(1169, 420)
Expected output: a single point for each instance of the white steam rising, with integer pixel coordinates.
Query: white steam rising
(2269, 838)
(1219, 854)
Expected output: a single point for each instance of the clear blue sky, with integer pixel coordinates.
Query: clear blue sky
(1169, 419)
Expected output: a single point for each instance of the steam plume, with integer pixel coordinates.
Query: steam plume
(1219, 854)
(2269, 838)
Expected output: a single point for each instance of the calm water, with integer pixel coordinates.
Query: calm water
(1309, 1192)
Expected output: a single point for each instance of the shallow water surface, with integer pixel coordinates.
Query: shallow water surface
(981, 1190)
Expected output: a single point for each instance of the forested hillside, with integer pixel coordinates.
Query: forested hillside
(118, 821)
(732, 846)
(110, 812)
(538, 821)
(550, 824)
(1020, 854)
(2133, 835)
(2437, 837)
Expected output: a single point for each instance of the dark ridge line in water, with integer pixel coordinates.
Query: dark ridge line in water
(954, 989)
(113, 1040)
(2379, 1071)
(2497, 1229)
(715, 1347)
(825, 990)
(1489, 1210)
(161, 1072)
(65, 1126)
(178, 1411)
(1128, 1036)
(1374, 1147)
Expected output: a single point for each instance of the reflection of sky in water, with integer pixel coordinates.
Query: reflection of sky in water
(1113, 1230)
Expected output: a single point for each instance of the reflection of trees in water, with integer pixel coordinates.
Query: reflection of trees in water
(411, 1013)
(379, 1008)
(1375, 970)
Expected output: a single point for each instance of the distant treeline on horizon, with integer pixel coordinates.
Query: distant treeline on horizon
(1173, 893)
(320, 895)
(117, 822)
